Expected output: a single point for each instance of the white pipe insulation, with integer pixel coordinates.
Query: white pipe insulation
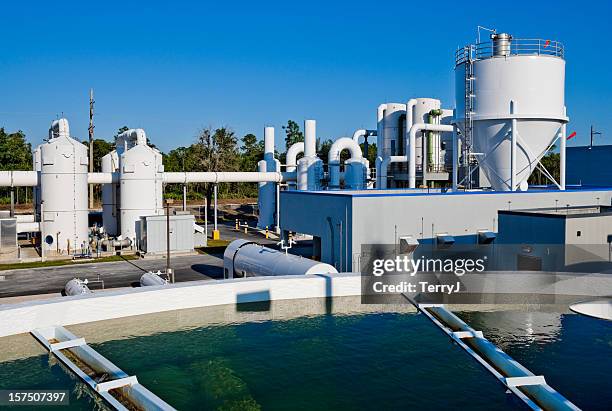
(292, 153)
(412, 146)
(228, 177)
(384, 168)
(130, 138)
(358, 134)
(343, 143)
(18, 178)
(102, 178)
(310, 138)
(28, 227)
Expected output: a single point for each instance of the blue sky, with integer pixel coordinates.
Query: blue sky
(175, 67)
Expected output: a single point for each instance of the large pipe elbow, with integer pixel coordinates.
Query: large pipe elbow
(59, 128)
(384, 167)
(344, 143)
(292, 153)
(358, 134)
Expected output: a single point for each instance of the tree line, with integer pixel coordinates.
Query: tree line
(213, 149)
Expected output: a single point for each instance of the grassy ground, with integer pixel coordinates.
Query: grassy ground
(56, 263)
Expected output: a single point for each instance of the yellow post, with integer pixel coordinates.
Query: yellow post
(267, 232)
(236, 224)
(216, 235)
(246, 226)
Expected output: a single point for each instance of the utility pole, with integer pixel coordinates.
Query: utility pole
(593, 134)
(91, 146)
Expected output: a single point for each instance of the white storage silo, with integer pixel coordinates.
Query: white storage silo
(510, 90)
(63, 190)
(141, 176)
(110, 195)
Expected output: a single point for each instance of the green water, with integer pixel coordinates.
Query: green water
(379, 361)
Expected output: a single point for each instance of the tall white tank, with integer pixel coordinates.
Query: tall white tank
(512, 79)
(390, 130)
(63, 190)
(110, 195)
(141, 176)
(420, 114)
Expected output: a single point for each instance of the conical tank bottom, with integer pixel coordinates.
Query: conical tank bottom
(493, 143)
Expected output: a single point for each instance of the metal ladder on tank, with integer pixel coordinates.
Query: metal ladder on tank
(468, 112)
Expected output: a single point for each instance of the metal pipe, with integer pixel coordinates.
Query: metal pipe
(18, 178)
(380, 129)
(103, 178)
(184, 197)
(384, 167)
(412, 149)
(292, 153)
(409, 120)
(277, 208)
(359, 133)
(268, 141)
(334, 157)
(310, 138)
(228, 177)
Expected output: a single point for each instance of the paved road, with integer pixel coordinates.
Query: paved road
(116, 274)
(48, 280)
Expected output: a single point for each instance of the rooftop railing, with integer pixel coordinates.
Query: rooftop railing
(514, 47)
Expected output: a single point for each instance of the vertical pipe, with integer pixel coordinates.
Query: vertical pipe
(310, 138)
(215, 192)
(268, 142)
(513, 147)
(455, 158)
(277, 208)
(513, 157)
(562, 147)
(184, 197)
(168, 269)
(412, 158)
(42, 231)
(12, 212)
(206, 219)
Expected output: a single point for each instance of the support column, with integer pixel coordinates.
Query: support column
(12, 212)
(216, 234)
(455, 158)
(513, 147)
(562, 146)
(184, 197)
(277, 208)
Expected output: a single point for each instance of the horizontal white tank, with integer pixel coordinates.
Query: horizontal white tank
(244, 258)
(63, 191)
(522, 81)
(76, 286)
(151, 279)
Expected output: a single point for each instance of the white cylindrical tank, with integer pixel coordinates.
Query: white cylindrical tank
(392, 130)
(243, 258)
(110, 195)
(420, 114)
(63, 189)
(76, 286)
(141, 176)
(513, 79)
(151, 279)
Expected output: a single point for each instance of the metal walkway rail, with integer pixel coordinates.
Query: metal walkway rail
(531, 389)
(119, 390)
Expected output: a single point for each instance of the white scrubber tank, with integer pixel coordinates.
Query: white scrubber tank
(511, 79)
(63, 191)
(141, 175)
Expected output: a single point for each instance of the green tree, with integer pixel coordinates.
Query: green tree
(293, 134)
(101, 148)
(15, 154)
